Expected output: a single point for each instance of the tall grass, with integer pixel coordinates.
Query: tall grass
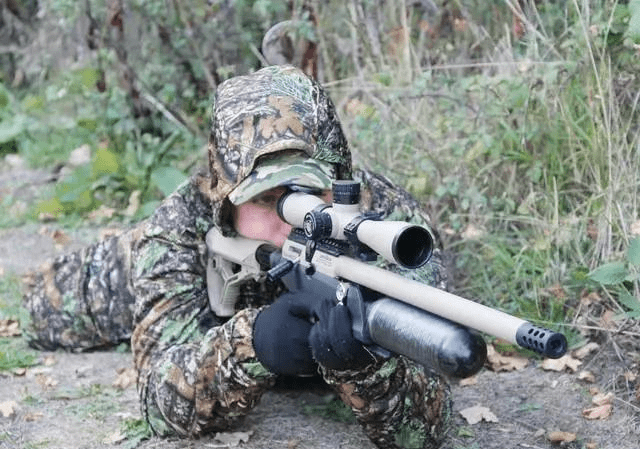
(524, 145)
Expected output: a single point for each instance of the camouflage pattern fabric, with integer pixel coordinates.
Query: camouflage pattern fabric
(284, 170)
(196, 372)
(274, 109)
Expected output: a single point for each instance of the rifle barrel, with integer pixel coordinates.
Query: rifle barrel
(452, 307)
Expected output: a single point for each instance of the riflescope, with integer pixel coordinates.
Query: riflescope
(406, 244)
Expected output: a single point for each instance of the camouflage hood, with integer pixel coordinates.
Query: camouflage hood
(272, 111)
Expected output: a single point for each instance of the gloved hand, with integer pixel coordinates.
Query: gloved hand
(332, 341)
(281, 336)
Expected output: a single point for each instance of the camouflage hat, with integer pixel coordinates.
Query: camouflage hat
(275, 109)
(284, 170)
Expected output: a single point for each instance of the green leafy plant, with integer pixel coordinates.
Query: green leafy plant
(146, 167)
(135, 431)
(15, 354)
(623, 277)
(331, 408)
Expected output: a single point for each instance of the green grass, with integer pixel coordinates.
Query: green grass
(95, 401)
(135, 430)
(331, 408)
(14, 352)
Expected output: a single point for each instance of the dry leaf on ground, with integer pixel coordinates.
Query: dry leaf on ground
(46, 382)
(468, 381)
(584, 351)
(472, 232)
(233, 439)
(562, 437)
(8, 408)
(603, 405)
(499, 362)
(477, 413)
(564, 362)
(60, 238)
(587, 376)
(600, 412)
(9, 328)
(114, 438)
(30, 417)
(602, 399)
(126, 378)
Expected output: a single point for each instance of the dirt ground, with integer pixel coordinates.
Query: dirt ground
(70, 401)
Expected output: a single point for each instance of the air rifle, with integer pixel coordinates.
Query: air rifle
(328, 255)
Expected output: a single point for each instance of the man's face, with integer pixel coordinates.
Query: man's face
(258, 218)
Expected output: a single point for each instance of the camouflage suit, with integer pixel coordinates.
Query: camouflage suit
(197, 372)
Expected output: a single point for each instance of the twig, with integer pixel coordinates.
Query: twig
(627, 404)
(171, 116)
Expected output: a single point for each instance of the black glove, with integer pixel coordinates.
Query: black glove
(332, 341)
(281, 336)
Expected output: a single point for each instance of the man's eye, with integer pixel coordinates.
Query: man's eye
(266, 200)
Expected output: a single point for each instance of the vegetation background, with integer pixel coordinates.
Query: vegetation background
(516, 122)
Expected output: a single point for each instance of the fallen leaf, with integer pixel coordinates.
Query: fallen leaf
(60, 238)
(46, 381)
(562, 437)
(115, 438)
(587, 376)
(103, 212)
(499, 362)
(608, 320)
(630, 376)
(126, 378)
(472, 232)
(83, 371)
(584, 351)
(591, 298)
(602, 399)
(9, 328)
(591, 445)
(473, 380)
(635, 228)
(233, 438)
(30, 417)
(49, 360)
(477, 413)
(564, 362)
(8, 408)
(600, 412)
(134, 204)
(19, 372)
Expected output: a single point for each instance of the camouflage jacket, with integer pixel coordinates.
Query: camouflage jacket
(198, 373)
